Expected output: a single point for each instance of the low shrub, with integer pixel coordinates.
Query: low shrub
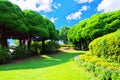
(105, 75)
(90, 67)
(66, 45)
(115, 75)
(51, 46)
(35, 48)
(102, 69)
(21, 52)
(107, 46)
(5, 55)
(99, 62)
(97, 71)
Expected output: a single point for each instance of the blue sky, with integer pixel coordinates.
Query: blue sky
(68, 12)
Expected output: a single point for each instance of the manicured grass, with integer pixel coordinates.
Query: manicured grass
(57, 67)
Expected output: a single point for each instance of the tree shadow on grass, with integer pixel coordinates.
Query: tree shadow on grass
(41, 62)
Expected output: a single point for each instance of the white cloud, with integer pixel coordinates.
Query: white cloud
(53, 19)
(74, 16)
(109, 5)
(77, 15)
(56, 5)
(84, 8)
(84, 1)
(37, 5)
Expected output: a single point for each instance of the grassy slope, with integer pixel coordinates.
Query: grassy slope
(58, 67)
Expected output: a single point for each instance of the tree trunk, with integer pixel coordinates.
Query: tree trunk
(4, 41)
(29, 42)
(24, 41)
(43, 46)
(3, 36)
(20, 42)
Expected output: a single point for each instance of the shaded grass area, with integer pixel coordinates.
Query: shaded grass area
(40, 61)
(44, 67)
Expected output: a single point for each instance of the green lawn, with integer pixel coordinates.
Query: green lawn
(57, 67)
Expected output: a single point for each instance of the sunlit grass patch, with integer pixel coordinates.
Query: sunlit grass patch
(46, 67)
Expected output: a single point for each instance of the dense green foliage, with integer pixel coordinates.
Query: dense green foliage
(5, 55)
(35, 48)
(63, 34)
(36, 25)
(53, 33)
(103, 57)
(36, 22)
(24, 26)
(97, 25)
(11, 22)
(107, 46)
(20, 52)
(39, 26)
(51, 46)
(102, 69)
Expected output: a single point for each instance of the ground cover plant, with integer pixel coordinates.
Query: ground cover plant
(101, 68)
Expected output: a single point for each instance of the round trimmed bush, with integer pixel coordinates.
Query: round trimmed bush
(107, 46)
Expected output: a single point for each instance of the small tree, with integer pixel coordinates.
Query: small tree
(53, 33)
(11, 22)
(36, 25)
(63, 33)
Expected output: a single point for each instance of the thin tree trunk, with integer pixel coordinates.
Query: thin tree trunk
(3, 36)
(24, 41)
(20, 42)
(29, 42)
(4, 40)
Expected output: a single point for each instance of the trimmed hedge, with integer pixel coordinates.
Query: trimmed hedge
(107, 46)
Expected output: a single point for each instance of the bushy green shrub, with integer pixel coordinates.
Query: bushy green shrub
(66, 45)
(21, 52)
(107, 46)
(101, 68)
(97, 61)
(35, 48)
(115, 75)
(51, 46)
(90, 67)
(105, 75)
(5, 55)
(97, 71)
